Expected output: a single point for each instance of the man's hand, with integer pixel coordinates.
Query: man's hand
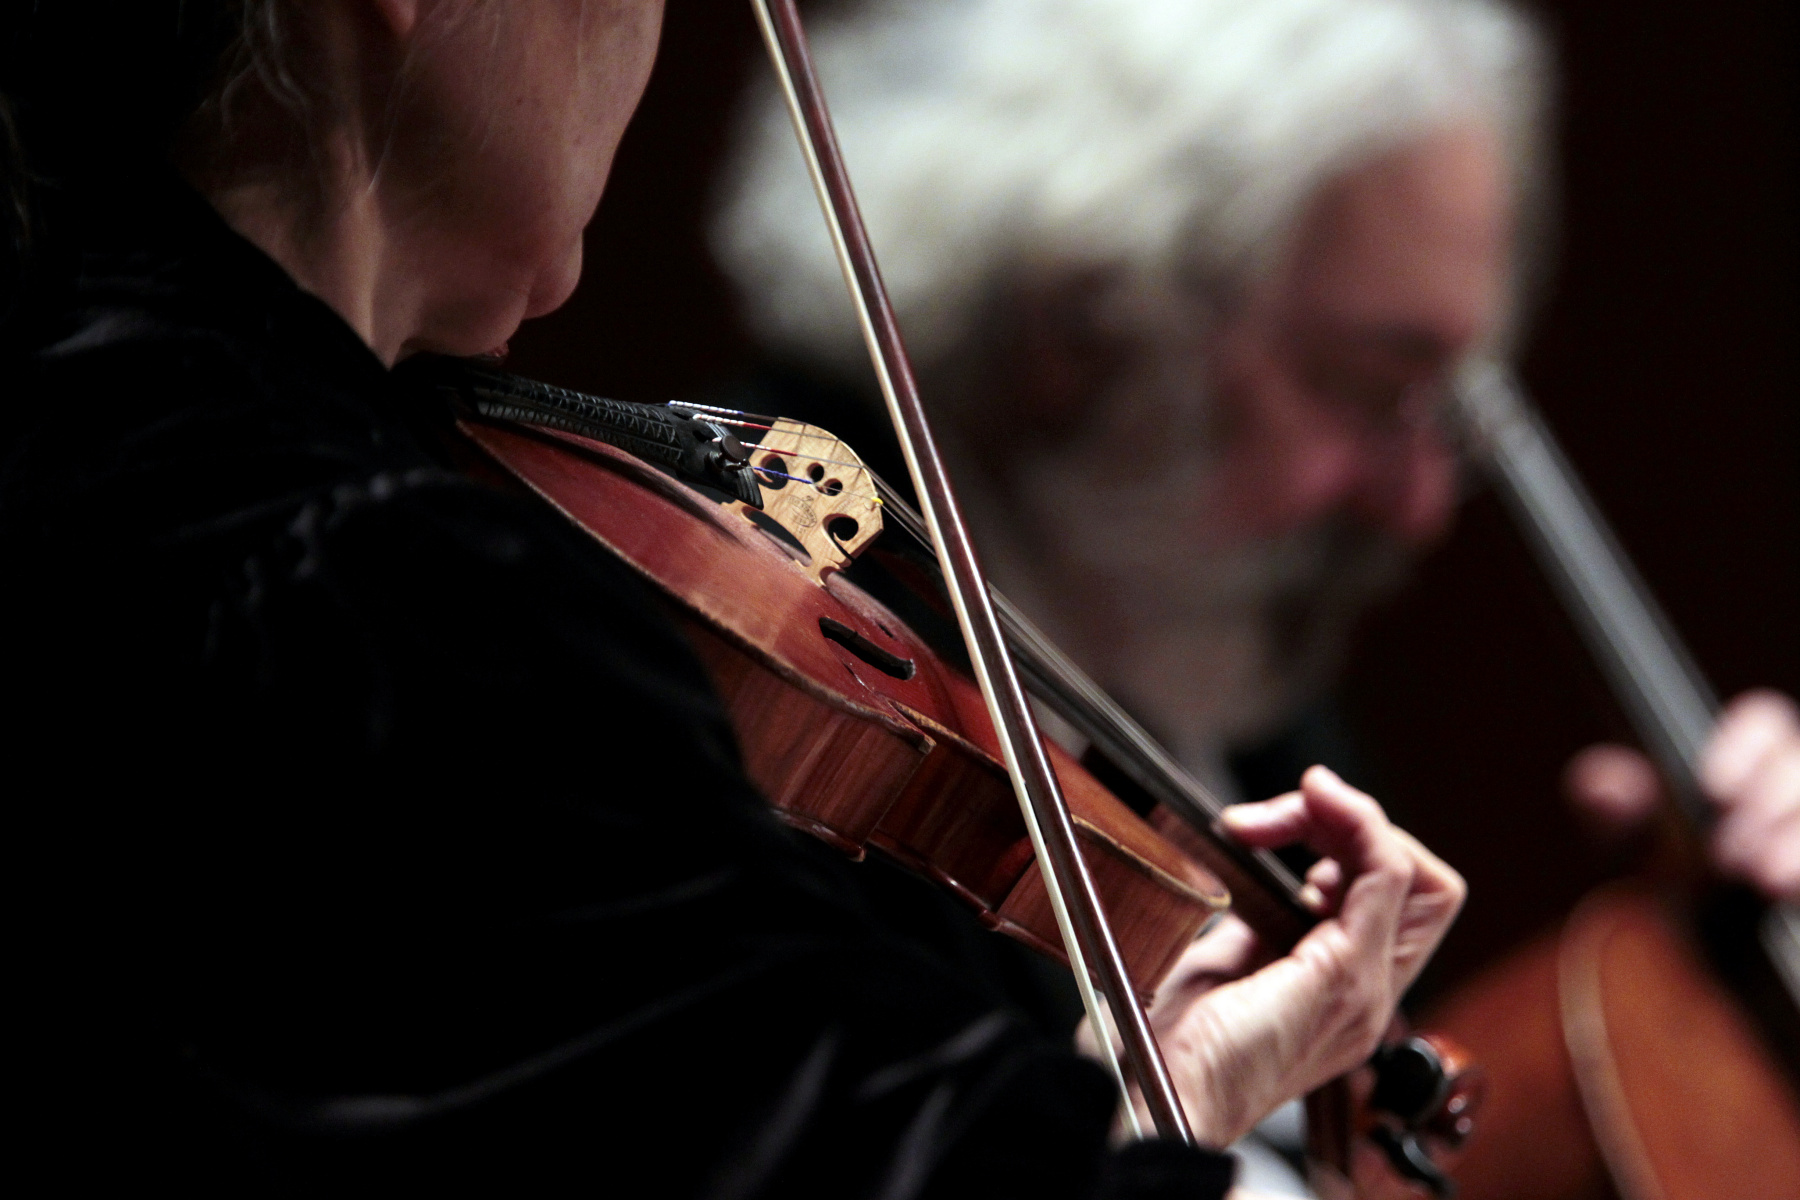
(1750, 770)
(1239, 1047)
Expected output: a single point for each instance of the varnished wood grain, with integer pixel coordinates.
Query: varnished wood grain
(841, 748)
(1684, 1098)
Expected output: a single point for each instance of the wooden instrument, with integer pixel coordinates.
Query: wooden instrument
(852, 726)
(1087, 939)
(863, 734)
(1652, 1044)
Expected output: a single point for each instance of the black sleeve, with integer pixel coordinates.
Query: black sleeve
(389, 833)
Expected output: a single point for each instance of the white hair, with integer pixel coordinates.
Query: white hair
(1161, 135)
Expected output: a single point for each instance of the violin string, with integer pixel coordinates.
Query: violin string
(814, 483)
(831, 462)
(747, 425)
(750, 420)
(1073, 693)
(714, 408)
(793, 433)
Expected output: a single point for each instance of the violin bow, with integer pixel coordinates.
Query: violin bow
(1088, 939)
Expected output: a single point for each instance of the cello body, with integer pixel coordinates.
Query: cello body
(1650, 1047)
(1621, 1065)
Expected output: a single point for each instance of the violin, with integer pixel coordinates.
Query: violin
(863, 734)
(853, 727)
(1650, 1046)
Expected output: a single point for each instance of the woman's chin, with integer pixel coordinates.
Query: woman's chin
(554, 284)
(474, 331)
(480, 322)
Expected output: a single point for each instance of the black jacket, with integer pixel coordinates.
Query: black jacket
(375, 830)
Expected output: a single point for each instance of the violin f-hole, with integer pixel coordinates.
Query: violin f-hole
(885, 661)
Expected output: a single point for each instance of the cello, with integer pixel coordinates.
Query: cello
(1650, 1046)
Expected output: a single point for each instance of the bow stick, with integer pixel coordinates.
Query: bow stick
(1086, 936)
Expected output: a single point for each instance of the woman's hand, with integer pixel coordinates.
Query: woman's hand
(1750, 770)
(1238, 1045)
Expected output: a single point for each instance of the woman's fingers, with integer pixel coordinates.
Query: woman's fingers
(1240, 1047)
(1349, 958)
(1434, 880)
(1350, 828)
(1268, 823)
(1345, 824)
(1394, 899)
(1362, 857)
(1326, 815)
(1326, 881)
(1437, 895)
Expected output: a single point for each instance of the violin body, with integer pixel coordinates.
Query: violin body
(862, 735)
(856, 731)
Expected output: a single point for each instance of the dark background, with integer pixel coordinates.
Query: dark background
(1663, 356)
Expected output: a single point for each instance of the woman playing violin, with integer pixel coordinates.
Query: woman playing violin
(382, 831)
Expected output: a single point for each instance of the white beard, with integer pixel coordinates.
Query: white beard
(1209, 646)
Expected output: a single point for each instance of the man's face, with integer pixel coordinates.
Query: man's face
(1220, 485)
(1327, 376)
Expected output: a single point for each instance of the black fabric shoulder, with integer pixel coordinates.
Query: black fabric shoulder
(1159, 1170)
(387, 833)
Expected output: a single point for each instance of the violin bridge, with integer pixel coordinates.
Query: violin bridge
(817, 491)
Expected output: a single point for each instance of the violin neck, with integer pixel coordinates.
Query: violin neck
(1666, 698)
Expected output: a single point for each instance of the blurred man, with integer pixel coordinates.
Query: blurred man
(1184, 282)
(1179, 278)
